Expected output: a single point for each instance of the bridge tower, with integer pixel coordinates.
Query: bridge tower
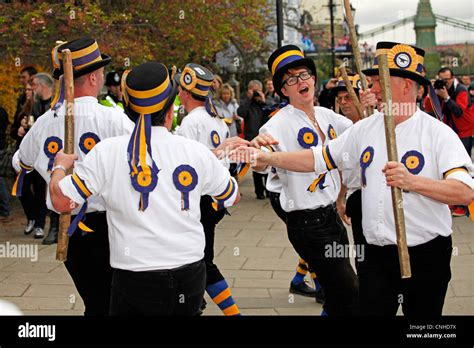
(425, 25)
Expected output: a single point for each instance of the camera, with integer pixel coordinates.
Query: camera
(256, 94)
(439, 84)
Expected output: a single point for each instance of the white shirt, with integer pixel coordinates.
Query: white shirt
(200, 126)
(286, 126)
(91, 121)
(164, 236)
(435, 144)
(273, 183)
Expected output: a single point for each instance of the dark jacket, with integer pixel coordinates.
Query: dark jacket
(253, 115)
(456, 111)
(3, 127)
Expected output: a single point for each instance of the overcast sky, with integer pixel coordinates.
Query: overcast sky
(374, 13)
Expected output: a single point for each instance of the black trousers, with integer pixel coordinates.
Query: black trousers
(382, 290)
(275, 202)
(33, 198)
(259, 182)
(209, 219)
(318, 236)
(354, 211)
(88, 263)
(176, 291)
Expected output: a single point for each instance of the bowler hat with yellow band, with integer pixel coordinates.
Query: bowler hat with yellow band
(285, 58)
(341, 85)
(85, 54)
(196, 79)
(148, 89)
(403, 61)
(148, 94)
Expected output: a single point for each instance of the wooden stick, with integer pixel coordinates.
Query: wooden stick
(356, 51)
(397, 198)
(352, 93)
(65, 218)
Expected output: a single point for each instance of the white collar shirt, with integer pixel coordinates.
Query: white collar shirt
(168, 234)
(93, 123)
(426, 146)
(290, 126)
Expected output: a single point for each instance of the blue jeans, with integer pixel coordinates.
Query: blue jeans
(4, 198)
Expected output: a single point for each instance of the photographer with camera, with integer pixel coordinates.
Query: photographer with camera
(455, 102)
(457, 113)
(250, 110)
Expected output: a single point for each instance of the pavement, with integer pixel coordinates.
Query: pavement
(252, 251)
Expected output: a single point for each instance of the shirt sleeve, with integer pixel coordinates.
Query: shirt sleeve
(453, 160)
(88, 178)
(217, 182)
(340, 153)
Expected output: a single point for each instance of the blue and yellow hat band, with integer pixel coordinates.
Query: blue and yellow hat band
(401, 57)
(286, 58)
(355, 82)
(146, 102)
(193, 84)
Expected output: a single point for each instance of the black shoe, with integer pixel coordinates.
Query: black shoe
(260, 196)
(52, 236)
(320, 297)
(302, 289)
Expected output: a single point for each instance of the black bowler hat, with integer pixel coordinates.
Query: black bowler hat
(85, 54)
(285, 58)
(149, 92)
(112, 79)
(403, 61)
(148, 88)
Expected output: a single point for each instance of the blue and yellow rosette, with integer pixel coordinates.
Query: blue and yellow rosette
(414, 161)
(18, 184)
(144, 177)
(185, 180)
(365, 160)
(215, 138)
(52, 146)
(331, 132)
(307, 138)
(88, 141)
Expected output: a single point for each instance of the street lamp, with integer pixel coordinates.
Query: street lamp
(279, 17)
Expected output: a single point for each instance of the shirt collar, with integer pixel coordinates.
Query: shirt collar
(85, 99)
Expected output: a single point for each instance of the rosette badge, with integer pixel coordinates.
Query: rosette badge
(365, 160)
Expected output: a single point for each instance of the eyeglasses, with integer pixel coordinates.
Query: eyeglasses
(345, 98)
(293, 80)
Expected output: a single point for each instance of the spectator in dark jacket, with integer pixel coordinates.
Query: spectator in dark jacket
(4, 196)
(455, 103)
(25, 76)
(250, 110)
